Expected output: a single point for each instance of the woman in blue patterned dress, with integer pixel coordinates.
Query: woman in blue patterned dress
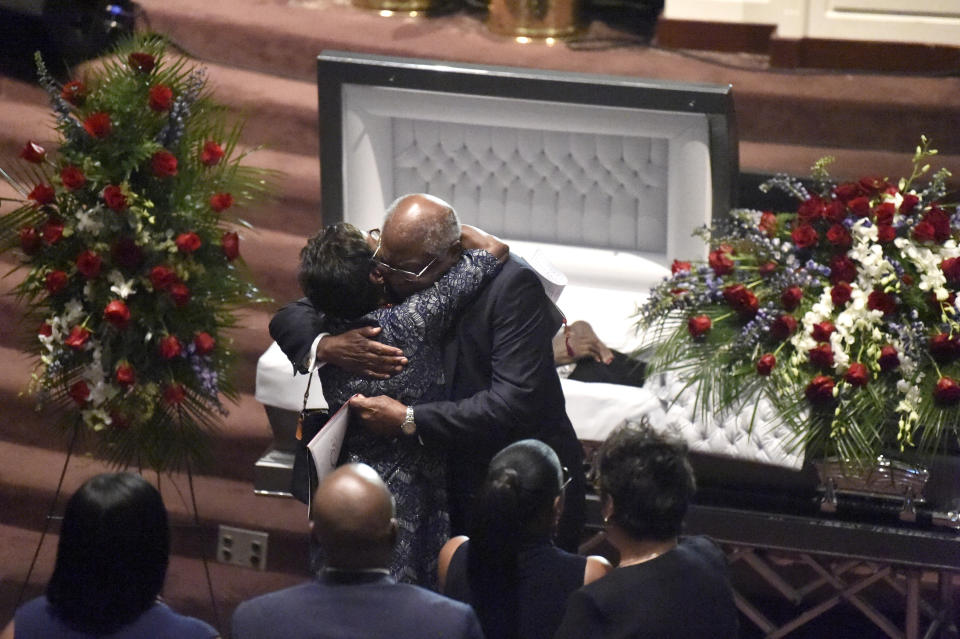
(339, 276)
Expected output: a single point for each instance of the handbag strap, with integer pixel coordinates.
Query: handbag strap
(303, 411)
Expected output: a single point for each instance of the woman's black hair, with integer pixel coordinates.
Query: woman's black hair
(514, 507)
(649, 479)
(113, 554)
(335, 270)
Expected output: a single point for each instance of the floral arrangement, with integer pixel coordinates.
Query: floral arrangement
(131, 255)
(844, 314)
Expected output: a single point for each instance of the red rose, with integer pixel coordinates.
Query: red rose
(944, 348)
(141, 62)
(43, 194)
(886, 233)
(114, 198)
(907, 279)
(783, 327)
(880, 301)
(52, 231)
(840, 293)
(821, 356)
(220, 202)
(909, 202)
(163, 164)
(888, 359)
(204, 343)
(940, 221)
(698, 325)
(125, 375)
(742, 300)
(859, 206)
(98, 125)
(30, 240)
(765, 364)
(835, 211)
(127, 254)
(847, 191)
(79, 392)
(170, 347)
(804, 236)
(230, 244)
(947, 392)
(810, 210)
(842, 269)
(790, 298)
(720, 262)
(45, 329)
(873, 183)
(857, 375)
(33, 152)
(211, 154)
(822, 330)
(675, 268)
(72, 177)
(162, 278)
(180, 294)
(924, 231)
(839, 236)
(117, 313)
(883, 213)
(819, 391)
(188, 242)
(78, 338)
(55, 282)
(74, 92)
(88, 264)
(768, 223)
(767, 268)
(951, 269)
(174, 394)
(161, 97)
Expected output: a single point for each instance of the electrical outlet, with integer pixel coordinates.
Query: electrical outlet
(242, 547)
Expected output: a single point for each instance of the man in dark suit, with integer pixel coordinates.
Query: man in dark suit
(500, 377)
(354, 595)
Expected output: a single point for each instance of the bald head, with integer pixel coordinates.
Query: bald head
(419, 223)
(353, 518)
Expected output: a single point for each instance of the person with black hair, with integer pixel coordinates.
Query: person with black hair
(665, 586)
(508, 568)
(111, 564)
(341, 277)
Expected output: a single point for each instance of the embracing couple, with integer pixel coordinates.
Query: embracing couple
(446, 341)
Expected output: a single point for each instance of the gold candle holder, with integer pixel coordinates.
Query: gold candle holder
(534, 18)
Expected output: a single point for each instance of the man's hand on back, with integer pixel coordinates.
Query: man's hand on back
(356, 352)
(381, 414)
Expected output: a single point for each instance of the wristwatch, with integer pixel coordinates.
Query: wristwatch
(408, 426)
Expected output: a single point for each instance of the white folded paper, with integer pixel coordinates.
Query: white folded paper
(325, 445)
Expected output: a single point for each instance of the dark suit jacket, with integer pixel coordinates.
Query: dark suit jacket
(501, 383)
(351, 606)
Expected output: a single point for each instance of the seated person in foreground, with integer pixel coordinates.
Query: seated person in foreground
(111, 564)
(339, 275)
(508, 569)
(665, 586)
(354, 596)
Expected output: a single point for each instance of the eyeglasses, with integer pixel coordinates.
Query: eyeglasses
(567, 478)
(403, 273)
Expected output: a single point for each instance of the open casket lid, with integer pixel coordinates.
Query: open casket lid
(606, 177)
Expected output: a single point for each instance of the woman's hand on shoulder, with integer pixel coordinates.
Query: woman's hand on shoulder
(596, 568)
(473, 238)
